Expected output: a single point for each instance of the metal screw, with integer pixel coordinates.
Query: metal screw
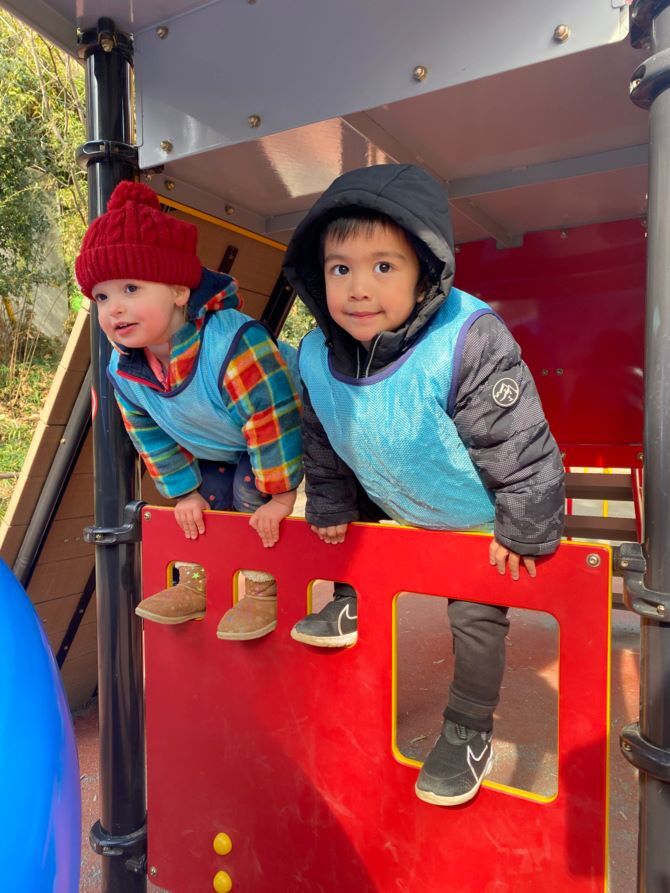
(162, 31)
(643, 222)
(146, 516)
(625, 745)
(545, 372)
(107, 43)
(420, 73)
(153, 871)
(229, 209)
(559, 372)
(166, 146)
(561, 33)
(593, 560)
(624, 563)
(564, 234)
(660, 609)
(254, 120)
(457, 249)
(640, 457)
(169, 185)
(98, 537)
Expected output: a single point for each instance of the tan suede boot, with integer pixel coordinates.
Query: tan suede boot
(255, 615)
(177, 604)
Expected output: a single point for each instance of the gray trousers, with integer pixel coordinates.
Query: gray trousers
(479, 648)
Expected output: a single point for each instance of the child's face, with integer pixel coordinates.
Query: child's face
(371, 281)
(135, 313)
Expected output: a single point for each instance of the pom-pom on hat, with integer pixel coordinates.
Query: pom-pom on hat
(134, 239)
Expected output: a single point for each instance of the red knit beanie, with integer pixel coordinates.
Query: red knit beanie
(134, 239)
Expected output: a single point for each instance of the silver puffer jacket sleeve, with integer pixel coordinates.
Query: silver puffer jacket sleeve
(511, 446)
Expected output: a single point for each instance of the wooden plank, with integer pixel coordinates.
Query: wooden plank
(589, 485)
(11, 538)
(56, 579)
(78, 499)
(254, 302)
(618, 529)
(80, 678)
(66, 540)
(62, 395)
(57, 613)
(256, 266)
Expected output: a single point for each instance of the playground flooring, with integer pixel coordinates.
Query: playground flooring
(526, 720)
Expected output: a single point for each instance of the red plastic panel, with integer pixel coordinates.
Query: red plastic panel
(288, 749)
(575, 303)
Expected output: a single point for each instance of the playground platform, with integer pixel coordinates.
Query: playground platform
(526, 720)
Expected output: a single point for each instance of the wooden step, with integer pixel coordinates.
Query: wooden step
(591, 485)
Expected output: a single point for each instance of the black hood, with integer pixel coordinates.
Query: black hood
(417, 203)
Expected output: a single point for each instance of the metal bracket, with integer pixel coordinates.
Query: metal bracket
(645, 756)
(105, 150)
(129, 532)
(646, 602)
(132, 848)
(642, 14)
(104, 38)
(650, 79)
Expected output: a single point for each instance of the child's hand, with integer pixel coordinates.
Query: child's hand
(188, 514)
(331, 535)
(266, 519)
(498, 555)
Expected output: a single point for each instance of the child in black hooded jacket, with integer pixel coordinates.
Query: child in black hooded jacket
(418, 407)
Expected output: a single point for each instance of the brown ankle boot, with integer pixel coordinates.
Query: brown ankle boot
(253, 616)
(177, 604)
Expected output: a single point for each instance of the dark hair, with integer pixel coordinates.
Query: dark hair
(352, 221)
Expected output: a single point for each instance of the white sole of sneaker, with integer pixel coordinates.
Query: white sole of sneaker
(441, 800)
(247, 637)
(167, 621)
(342, 641)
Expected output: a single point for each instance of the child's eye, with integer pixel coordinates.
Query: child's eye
(340, 270)
(383, 267)
(99, 298)
(130, 288)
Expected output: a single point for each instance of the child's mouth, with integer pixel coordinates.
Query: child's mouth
(123, 327)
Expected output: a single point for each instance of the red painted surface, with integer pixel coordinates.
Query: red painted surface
(575, 304)
(288, 749)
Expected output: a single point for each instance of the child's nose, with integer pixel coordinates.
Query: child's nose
(360, 289)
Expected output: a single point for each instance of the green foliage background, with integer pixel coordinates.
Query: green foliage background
(42, 122)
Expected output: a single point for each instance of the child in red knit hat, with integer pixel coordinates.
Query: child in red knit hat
(204, 391)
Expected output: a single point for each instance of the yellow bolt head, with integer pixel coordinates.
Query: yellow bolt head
(222, 882)
(222, 844)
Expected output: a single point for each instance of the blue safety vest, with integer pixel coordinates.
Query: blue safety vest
(393, 429)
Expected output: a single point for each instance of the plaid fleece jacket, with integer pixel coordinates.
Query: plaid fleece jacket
(256, 389)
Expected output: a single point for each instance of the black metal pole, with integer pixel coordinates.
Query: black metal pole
(650, 20)
(120, 835)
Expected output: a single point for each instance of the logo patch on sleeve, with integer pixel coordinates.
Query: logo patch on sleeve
(505, 392)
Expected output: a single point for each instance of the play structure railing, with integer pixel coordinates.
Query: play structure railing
(290, 752)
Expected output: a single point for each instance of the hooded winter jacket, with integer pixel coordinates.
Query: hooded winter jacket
(510, 446)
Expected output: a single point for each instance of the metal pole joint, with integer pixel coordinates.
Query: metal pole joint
(104, 38)
(645, 756)
(106, 150)
(130, 848)
(649, 603)
(641, 16)
(650, 78)
(130, 531)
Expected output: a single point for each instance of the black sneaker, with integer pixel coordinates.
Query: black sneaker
(456, 766)
(334, 626)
